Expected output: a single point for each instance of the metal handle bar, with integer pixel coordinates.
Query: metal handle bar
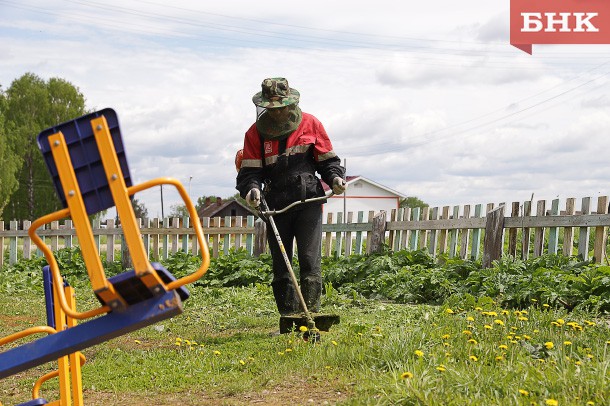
(293, 204)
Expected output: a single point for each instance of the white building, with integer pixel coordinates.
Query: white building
(364, 195)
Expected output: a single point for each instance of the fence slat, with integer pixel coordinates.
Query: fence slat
(329, 237)
(554, 231)
(414, 233)
(453, 240)
(512, 233)
(525, 237)
(583, 232)
(348, 235)
(464, 238)
(476, 235)
(539, 231)
(601, 237)
(568, 232)
(358, 247)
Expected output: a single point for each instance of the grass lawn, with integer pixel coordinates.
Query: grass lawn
(220, 352)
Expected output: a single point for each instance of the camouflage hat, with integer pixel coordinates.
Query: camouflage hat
(275, 93)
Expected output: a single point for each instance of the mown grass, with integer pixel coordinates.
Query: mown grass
(220, 351)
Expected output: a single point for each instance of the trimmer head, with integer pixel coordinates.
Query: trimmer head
(293, 322)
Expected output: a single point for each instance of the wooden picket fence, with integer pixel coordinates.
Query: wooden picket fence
(479, 232)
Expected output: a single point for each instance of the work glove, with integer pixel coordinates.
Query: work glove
(339, 185)
(253, 198)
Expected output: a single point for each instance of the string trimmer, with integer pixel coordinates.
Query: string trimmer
(314, 323)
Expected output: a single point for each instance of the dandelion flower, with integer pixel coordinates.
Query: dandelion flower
(473, 358)
(449, 311)
(578, 363)
(469, 318)
(505, 312)
(472, 341)
(566, 343)
(554, 323)
(445, 336)
(419, 353)
(137, 341)
(499, 322)
(478, 309)
(441, 368)
(536, 331)
(503, 347)
(551, 402)
(488, 327)
(534, 300)
(216, 352)
(280, 353)
(467, 332)
(526, 337)
(499, 358)
(546, 305)
(406, 375)
(333, 342)
(590, 356)
(549, 345)
(241, 361)
(589, 323)
(524, 392)
(590, 403)
(288, 350)
(302, 329)
(561, 322)
(522, 318)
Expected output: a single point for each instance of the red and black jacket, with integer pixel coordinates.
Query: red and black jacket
(288, 166)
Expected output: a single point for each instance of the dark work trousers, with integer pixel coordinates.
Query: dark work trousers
(304, 225)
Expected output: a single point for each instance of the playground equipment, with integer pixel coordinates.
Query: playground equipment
(87, 162)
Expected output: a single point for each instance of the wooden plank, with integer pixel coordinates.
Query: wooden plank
(339, 235)
(525, 233)
(238, 221)
(601, 235)
(175, 237)
(216, 241)
(568, 232)
(453, 234)
(12, 248)
(475, 248)
(465, 235)
(155, 240)
(359, 240)
(27, 242)
(583, 231)
(329, 236)
(348, 235)
(260, 237)
(249, 237)
(378, 233)
(492, 244)
(554, 231)
(433, 233)
(226, 244)
(512, 233)
(392, 233)
(405, 234)
(186, 224)
(145, 237)
(414, 233)
(205, 224)
(423, 234)
(539, 231)
(369, 234)
(110, 241)
(442, 235)
(165, 240)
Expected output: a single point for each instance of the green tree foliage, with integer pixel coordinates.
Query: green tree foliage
(9, 160)
(139, 209)
(33, 104)
(413, 202)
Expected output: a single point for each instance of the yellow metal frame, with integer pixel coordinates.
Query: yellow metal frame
(121, 193)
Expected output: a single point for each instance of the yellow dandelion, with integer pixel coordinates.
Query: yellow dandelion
(178, 343)
(546, 305)
(499, 358)
(561, 322)
(302, 329)
(493, 314)
(514, 341)
(288, 350)
(441, 368)
(590, 356)
(333, 342)
(541, 360)
(523, 311)
(216, 352)
(472, 341)
(536, 331)
(499, 322)
(554, 323)
(534, 300)
(419, 353)
(473, 358)
(137, 341)
(549, 345)
(505, 312)
(589, 323)
(467, 332)
(551, 402)
(578, 363)
(469, 318)
(449, 311)
(447, 354)
(178, 339)
(478, 309)
(517, 338)
(517, 313)
(187, 342)
(524, 392)
(566, 343)
(406, 375)
(445, 336)
(526, 337)
(522, 318)
(503, 347)
(590, 403)
(446, 344)
(241, 361)
(608, 342)
(488, 327)
(280, 353)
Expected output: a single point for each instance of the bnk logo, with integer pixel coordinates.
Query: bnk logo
(559, 22)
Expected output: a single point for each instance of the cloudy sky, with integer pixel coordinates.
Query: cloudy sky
(426, 98)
